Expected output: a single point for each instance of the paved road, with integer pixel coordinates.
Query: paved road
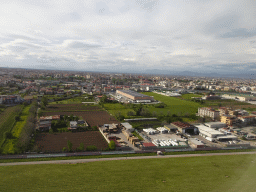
(74, 161)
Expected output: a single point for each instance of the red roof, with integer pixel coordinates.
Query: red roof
(149, 145)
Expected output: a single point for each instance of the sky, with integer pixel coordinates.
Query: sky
(129, 35)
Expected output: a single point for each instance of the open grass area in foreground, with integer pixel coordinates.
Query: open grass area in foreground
(210, 173)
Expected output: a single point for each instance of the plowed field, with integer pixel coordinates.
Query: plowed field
(55, 142)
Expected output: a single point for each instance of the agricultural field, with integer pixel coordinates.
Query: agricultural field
(145, 124)
(174, 105)
(10, 145)
(93, 118)
(195, 174)
(7, 120)
(75, 100)
(114, 108)
(47, 142)
(71, 107)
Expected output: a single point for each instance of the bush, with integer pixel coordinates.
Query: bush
(70, 145)
(64, 149)
(8, 135)
(17, 118)
(112, 145)
(91, 148)
(81, 147)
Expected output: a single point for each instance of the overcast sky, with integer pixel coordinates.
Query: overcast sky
(129, 35)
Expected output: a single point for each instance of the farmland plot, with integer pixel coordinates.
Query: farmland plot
(93, 118)
(55, 142)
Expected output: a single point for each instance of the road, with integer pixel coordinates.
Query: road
(75, 161)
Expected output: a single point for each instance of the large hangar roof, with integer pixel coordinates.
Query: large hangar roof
(133, 93)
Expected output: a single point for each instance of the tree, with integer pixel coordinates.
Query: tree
(145, 112)
(91, 148)
(130, 113)
(17, 118)
(81, 147)
(70, 145)
(112, 145)
(64, 149)
(44, 101)
(7, 135)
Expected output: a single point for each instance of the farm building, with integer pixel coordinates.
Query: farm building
(135, 96)
(44, 126)
(185, 127)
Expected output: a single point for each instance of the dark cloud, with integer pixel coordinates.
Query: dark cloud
(240, 33)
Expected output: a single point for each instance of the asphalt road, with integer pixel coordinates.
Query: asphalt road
(75, 161)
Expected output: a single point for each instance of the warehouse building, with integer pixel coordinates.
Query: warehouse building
(215, 125)
(185, 127)
(134, 96)
(208, 132)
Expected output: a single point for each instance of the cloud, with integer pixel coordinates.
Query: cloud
(135, 34)
(79, 44)
(241, 33)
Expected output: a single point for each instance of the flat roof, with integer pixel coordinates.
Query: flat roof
(207, 130)
(149, 145)
(215, 123)
(133, 93)
(196, 142)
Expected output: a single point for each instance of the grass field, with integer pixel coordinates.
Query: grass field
(75, 100)
(212, 173)
(174, 105)
(114, 108)
(9, 146)
(189, 96)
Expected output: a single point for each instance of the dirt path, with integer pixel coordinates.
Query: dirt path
(75, 161)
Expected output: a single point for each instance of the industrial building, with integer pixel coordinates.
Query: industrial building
(135, 97)
(213, 135)
(215, 125)
(185, 127)
(208, 132)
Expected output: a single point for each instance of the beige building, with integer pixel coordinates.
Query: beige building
(208, 112)
(228, 119)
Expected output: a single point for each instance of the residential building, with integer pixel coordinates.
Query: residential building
(208, 112)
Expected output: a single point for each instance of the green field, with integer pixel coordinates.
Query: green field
(75, 100)
(114, 108)
(10, 144)
(7, 120)
(174, 105)
(189, 96)
(210, 173)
